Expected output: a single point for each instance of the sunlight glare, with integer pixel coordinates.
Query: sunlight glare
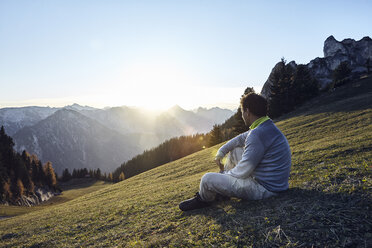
(155, 86)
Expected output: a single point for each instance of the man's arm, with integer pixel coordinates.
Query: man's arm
(237, 141)
(252, 156)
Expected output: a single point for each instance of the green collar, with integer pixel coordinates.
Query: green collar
(258, 122)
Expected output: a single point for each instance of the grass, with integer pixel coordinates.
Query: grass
(328, 204)
(71, 190)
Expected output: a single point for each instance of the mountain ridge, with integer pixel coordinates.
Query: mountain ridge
(71, 140)
(138, 128)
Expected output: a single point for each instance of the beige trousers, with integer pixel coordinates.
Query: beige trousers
(227, 185)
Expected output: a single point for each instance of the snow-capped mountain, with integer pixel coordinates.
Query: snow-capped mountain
(13, 119)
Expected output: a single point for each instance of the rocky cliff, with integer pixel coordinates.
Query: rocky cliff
(41, 194)
(354, 52)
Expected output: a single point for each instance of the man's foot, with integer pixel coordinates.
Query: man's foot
(194, 203)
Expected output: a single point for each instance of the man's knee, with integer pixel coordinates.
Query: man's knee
(208, 178)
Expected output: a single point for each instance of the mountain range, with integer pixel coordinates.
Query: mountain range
(78, 136)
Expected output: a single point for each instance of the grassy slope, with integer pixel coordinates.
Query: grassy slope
(328, 204)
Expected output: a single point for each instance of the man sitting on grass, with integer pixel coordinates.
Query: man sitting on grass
(262, 168)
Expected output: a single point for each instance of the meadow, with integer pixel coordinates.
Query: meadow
(328, 203)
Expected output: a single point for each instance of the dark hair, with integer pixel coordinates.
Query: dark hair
(256, 104)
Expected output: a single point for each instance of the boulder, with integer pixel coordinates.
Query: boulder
(41, 194)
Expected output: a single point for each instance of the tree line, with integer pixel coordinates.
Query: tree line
(166, 152)
(20, 174)
(85, 173)
(291, 87)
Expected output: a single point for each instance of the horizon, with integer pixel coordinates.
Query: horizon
(142, 108)
(157, 54)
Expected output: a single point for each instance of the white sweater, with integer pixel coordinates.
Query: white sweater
(266, 156)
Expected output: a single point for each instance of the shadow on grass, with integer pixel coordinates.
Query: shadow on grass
(298, 217)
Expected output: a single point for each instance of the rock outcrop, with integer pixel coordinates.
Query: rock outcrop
(266, 88)
(355, 53)
(40, 195)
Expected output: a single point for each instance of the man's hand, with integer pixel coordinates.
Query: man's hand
(219, 163)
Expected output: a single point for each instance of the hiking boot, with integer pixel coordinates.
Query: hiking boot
(194, 203)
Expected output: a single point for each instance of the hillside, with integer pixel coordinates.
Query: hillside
(328, 204)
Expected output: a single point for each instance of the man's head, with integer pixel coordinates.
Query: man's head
(253, 106)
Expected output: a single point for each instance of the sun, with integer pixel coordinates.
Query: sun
(155, 86)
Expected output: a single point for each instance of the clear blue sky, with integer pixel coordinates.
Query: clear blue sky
(160, 53)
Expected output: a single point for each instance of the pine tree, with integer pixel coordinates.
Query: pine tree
(121, 177)
(5, 140)
(34, 172)
(248, 90)
(20, 188)
(3, 177)
(85, 172)
(239, 126)
(50, 176)
(41, 178)
(7, 191)
(110, 178)
(27, 182)
(6, 149)
(282, 95)
(215, 136)
(66, 175)
(31, 187)
(98, 174)
(305, 86)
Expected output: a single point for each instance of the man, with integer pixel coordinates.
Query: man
(264, 163)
